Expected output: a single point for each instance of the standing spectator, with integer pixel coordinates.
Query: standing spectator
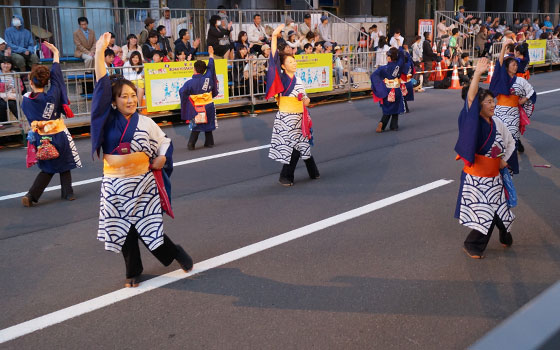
(223, 15)
(461, 13)
(538, 32)
(148, 26)
(8, 91)
(381, 52)
(163, 41)
(184, 44)
(21, 43)
(84, 40)
(441, 28)
(325, 31)
(257, 35)
(547, 25)
(428, 56)
(453, 43)
(480, 41)
(130, 47)
(218, 37)
(488, 22)
(417, 51)
(338, 67)
(374, 37)
(150, 46)
(305, 27)
(362, 39)
(397, 40)
(171, 25)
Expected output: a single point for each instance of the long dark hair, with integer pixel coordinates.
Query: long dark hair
(382, 41)
(140, 62)
(240, 36)
(131, 36)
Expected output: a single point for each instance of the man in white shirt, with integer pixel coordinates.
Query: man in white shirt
(324, 30)
(256, 35)
(170, 25)
(374, 37)
(304, 28)
(397, 40)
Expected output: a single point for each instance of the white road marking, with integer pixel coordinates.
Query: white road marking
(189, 161)
(62, 315)
(547, 92)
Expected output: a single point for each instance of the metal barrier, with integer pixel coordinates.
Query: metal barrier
(59, 22)
(466, 35)
(552, 56)
(509, 17)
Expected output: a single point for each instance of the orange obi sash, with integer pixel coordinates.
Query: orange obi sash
(392, 83)
(509, 100)
(525, 75)
(483, 166)
(48, 127)
(125, 165)
(289, 104)
(201, 99)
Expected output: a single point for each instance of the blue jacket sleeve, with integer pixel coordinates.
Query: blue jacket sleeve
(100, 110)
(211, 71)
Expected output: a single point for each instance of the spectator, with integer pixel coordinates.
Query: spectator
(118, 62)
(441, 28)
(381, 52)
(453, 43)
(184, 44)
(5, 51)
(536, 24)
(181, 55)
(130, 47)
(135, 75)
(218, 37)
(547, 24)
(465, 69)
(516, 25)
(338, 67)
(109, 59)
(290, 26)
(460, 14)
(308, 49)
(257, 35)
(171, 25)
(480, 41)
(292, 42)
(488, 22)
(263, 62)
(242, 40)
(158, 56)
(374, 37)
(163, 41)
(502, 27)
(150, 46)
(362, 39)
(84, 40)
(308, 39)
(8, 91)
(223, 16)
(417, 51)
(428, 56)
(397, 40)
(239, 74)
(538, 32)
(318, 48)
(328, 47)
(148, 27)
(324, 31)
(305, 27)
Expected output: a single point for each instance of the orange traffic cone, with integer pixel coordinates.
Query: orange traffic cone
(443, 48)
(489, 76)
(434, 47)
(455, 83)
(439, 74)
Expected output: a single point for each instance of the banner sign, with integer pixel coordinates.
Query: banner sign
(315, 71)
(537, 51)
(163, 81)
(425, 25)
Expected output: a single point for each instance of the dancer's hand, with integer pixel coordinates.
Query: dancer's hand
(159, 162)
(103, 42)
(482, 66)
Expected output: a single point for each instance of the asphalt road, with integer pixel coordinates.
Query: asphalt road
(394, 278)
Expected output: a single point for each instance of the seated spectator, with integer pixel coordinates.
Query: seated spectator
(516, 25)
(21, 43)
(181, 55)
(262, 67)
(242, 40)
(8, 91)
(218, 37)
(324, 31)
(374, 37)
(257, 35)
(290, 26)
(130, 47)
(136, 74)
(318, 48)
(84, 40)
(109, 59)
(118, 62)
(465, 69)
(460, 14)
(328, 47)
(184, 44)
(308, 49)
(308, 39)
(158, 56)
(292, 41)
(441, 28)
(148, 27)
(5, 51)
(239, 75)
(150, 46)
(163, 42)
(171, 25)
(305, 27)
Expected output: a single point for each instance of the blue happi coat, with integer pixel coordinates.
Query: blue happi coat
(391, 70)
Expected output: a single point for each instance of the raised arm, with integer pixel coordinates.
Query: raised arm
(274, 39)
(54, 50)
(503, 52)
(481, 67)
(100, 46)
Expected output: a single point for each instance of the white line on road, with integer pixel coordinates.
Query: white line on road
(62, 315)
(189, 161)
(547, 92)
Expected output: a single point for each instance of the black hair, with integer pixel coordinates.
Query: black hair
(158, 52)
(112, 35)
(382, 41)
(307, 46)
(455, 31)
(177, 53)
(182, 33)
(240, 35)
(482, 93)
(255, 16)
(109, 52)
(523, 49)
(427, 35)
(374, 26)
(508, 61)
(140, 62)
(464, 55)
(310, 35)
(393, 53)
(7, 59)
(160, 28)
(200, 67)
(152, 34)
(398, 31)
(416, 38)
(221, 7)
(82, 19)
(214, 19)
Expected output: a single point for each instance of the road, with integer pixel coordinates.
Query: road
(392, 276)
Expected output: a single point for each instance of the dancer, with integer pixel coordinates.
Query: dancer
(521, 53)
(484, 143)
(292, 133)
(515, 97)
(388, 90)
(197, 106)
(56, 152)
(406, 79)
(135, 150)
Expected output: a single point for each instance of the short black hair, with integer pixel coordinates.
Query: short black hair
(306, 46)
(256, 15)
(160, 28)
(464, 55)
(374, 26)
(427, 34)
(157, 52)
(455, 31)
(112, 35)
(152, 34)
(82, 19)
(200, 67)
(182, 33)
(109, 52)
(221, 7)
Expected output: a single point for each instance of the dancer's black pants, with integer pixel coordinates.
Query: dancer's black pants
(288, 170)
(208, 138)
(42, 181)
(477, 241)
(394, 121)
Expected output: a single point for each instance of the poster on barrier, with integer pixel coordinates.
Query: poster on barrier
(537, 51)
(425, 25)
(315, 71)
(163, 81)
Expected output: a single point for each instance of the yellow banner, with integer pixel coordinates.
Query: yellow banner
(315, 71)
(163, 81)
(537, 51)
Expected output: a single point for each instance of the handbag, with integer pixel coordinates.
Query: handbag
(46, 150)
(511, 194)
(200, 117)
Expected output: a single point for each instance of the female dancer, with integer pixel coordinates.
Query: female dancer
(521, 52)
(514, 93)
(56, 150)
(388, 90)
(484, 142)
(134, 150)
(292, 133)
